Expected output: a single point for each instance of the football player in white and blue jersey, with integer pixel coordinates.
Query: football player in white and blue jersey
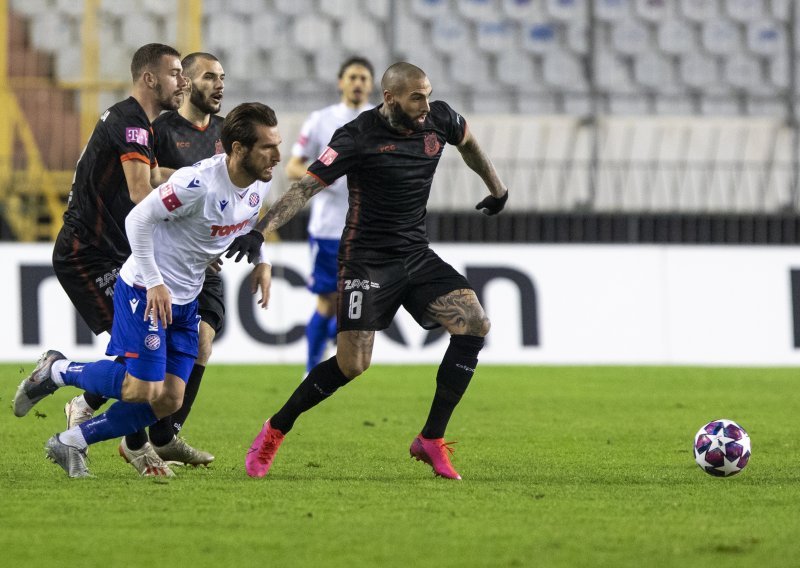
(328, 211)
(175, 233)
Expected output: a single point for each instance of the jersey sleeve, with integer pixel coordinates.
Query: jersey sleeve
(180, 194)
(306, 146)
(453, 124)
(336, 159)
(132, 138)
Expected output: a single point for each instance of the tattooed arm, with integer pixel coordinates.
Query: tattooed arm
(249, 245)
(290, 203)
(479, 162)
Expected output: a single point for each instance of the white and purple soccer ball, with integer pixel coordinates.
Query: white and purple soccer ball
(722, 448)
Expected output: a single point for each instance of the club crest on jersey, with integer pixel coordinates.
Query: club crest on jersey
(432, 144)
(328, 156)
(168, 197)
(254, 200)
(136, 135)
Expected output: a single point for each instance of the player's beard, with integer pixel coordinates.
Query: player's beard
(202, 103)
(252, 170)
(167, 102)
(399, 117)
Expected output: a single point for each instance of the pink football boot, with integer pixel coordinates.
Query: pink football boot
(434, 453)
(262, 451)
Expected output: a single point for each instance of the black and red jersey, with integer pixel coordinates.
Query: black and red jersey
(179, 143)
(100, 200)
(389, 177)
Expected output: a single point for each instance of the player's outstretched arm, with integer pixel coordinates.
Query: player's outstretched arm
(479, 162)
(284, 209)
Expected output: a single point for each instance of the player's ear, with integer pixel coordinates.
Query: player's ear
(149, 78)
(388, 97)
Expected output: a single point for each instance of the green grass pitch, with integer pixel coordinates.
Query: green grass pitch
(562, 466)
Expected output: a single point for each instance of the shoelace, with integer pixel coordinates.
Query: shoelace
(446, 446)
(268, 447)
(154, 466)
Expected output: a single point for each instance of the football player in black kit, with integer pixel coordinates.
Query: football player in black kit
(182, 138)
(116, 170)
(389, 155)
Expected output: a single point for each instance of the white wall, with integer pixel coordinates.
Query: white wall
(572, 304)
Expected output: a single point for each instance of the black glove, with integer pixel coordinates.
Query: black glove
(492, 205)
(248, 245)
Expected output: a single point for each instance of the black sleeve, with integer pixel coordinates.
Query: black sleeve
(337, 158)
(453, 124)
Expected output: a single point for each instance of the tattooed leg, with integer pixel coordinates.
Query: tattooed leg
(460, 313)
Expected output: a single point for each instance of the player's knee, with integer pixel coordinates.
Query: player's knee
(354, 368)
(479, 325)
(137, 390)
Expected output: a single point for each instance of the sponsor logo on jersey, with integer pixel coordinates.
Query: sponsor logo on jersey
(194, 183)
(254, 199)
(328, 156)
(136, 135)
(183, 144)
(387, 148)
(224, 230)
(223, 204)
(152, 341)
(134, 303)
(432, 144)
(358, 283)
(171, 201)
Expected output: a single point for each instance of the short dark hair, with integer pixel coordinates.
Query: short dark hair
(149, 56)
(240, 124)
(188, 62)
(356, 60)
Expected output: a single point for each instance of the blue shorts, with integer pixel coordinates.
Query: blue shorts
(152, 352)
(324, 265)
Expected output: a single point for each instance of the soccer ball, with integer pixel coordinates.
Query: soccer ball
(722, 448)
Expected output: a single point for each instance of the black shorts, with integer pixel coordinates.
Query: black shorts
(87, 275)
(210, 302)
(372, 290)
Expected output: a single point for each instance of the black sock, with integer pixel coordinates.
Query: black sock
(192, 386)
(161, 432)
(95, 401)
(321, 382)
(137, 440)
(455, 372)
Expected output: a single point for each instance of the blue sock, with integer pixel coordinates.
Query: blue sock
(120, 419)
(332, 328)
(317, 337)
(101, 377)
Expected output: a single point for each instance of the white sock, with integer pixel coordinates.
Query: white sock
(73, 437)
(56, 369)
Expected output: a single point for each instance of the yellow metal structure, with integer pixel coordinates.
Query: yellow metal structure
(32, 198)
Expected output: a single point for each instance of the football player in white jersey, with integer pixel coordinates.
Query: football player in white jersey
(329, 209)
(175, 233)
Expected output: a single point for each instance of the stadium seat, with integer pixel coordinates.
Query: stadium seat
(676, 37)
(765, 106)
(496, 35)
(450, 35)
(288, 66)
(477, 10)
(69, 64)
(518, 70)
(30, 8)
(766, 37)
(163, 8)
(654, 11)
(778, 71)
(470, 69)
(115, 65)
(430, 9)
(721, 36)
(780, 9)
(70, 8)
(360, 34)
(673, 105)
(539, 103)
(225, 32)
(524, 10)
(745, 10)
(115, 7)
(655, 72)
(540, 37)
(744, 73)
(378, 9)
(50, 32)
(567, 10)
(492, 103)
(576, 37)
(611, 10)
(339, 10)
(268, 29)
(698, 70)
(630, 37)
(612, 74)
(719, 105)
(699, 11)
(141, 28)
(410, 36)
(564, 71)
(295, 7)
(311, 33)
